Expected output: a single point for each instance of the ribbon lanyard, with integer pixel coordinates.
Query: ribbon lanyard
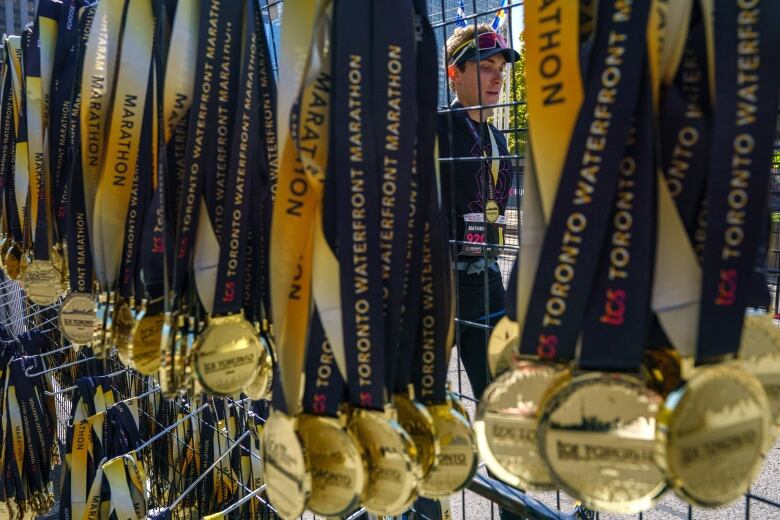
(7, 143)
(423, 166)
(34, 118)
(741, 153)
(62, 92)
(21, 170)
(358, 221)
(576, 231)
(297, 197)
(118, 166)
(236, 162)
(394, 93)
(435, 334)
(685, 120)
(201, 145)
(323, 385)
(430, 312)
(617, 319)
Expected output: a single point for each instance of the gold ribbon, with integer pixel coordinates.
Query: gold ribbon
(294, 209)
(553, 107)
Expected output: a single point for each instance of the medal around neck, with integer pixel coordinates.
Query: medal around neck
(457, 461)
(226, 354)
(597, 435)
(286, 466)
(712, 434)
(42, 282)
(394, 471)
(759, 351)
(76, 317)
(416, 420)
(339, 473)
(506, 423)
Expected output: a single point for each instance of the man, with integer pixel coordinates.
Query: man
(476, 190)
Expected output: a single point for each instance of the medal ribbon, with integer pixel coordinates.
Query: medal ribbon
(291, 243)
(422, 164)
(97, 92)
(358, 221)
(747, 72)
(118, 170)
(617, 320)
(554, 101)
(394, 93)
(242, 172)
(34, 116)
(323, 384)
(576, 232)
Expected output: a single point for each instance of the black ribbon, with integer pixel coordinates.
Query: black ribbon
(358, 220)
(573, 243)
(747, 51)
(618, 314)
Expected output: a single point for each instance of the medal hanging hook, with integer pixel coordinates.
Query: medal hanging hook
(54, 369)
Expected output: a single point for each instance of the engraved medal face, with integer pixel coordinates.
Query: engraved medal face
(145, 344)
(338, 468)
(285, 465)
(597, 435)
(416, 420)
(259, 387)
(77, 317)
(712, 434)
(226, 355)
(392, 462)
(457, 461)
(42, 282)
(506, 422)
(759, 352)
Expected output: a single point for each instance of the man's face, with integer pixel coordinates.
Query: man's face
(480, 85)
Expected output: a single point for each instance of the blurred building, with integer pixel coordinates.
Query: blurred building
(17, 14)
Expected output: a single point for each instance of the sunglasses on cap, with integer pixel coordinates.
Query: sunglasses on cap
(484, 42)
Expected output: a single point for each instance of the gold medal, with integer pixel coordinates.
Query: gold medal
(597, 435)
(491, 211)
(286, 466)
(259, 387)
(759, 352)
(416, 420)
(338, 467)
(394, 471)
(5, 511)
(145, 338)
(712, 434)
(502, 345)
(457, 461)
(76, 318)
(227, 354)
(59, 261)
(42, 282)
(506, 423)
(13, 261)
(123, 321)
